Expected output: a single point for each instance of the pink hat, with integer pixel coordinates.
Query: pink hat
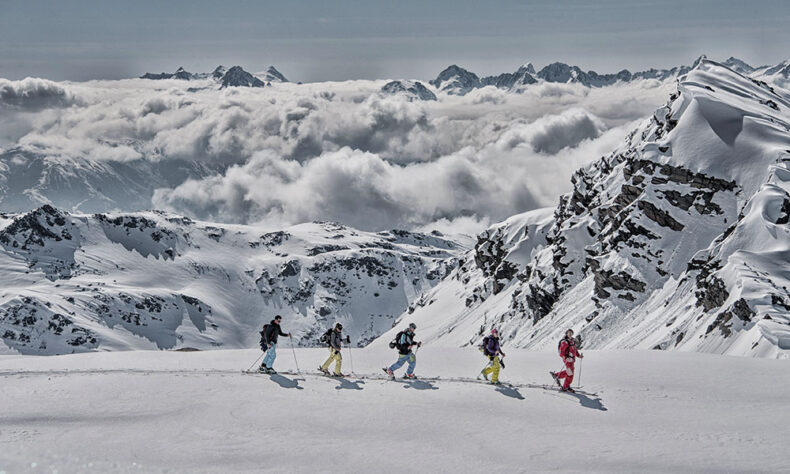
(494, 331)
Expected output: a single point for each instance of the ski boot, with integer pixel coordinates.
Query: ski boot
(569, 390)
(410, 376)
(263, 369)
(496, 383)
(324, 371)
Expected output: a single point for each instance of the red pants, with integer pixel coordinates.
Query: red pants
(567, 373)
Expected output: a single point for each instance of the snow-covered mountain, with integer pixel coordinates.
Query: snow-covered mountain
(29, 179)
(414, 90)
(77, 282)
(679, 239)
(181, 74)
(271, 74)
(238, 77)
(456, 80)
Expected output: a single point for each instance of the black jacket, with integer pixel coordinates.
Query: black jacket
(273, 332)
(404, 343)
(335, 340)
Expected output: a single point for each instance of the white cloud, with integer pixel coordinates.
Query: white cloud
(339, 151)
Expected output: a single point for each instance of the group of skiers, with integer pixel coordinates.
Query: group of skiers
(569, 351)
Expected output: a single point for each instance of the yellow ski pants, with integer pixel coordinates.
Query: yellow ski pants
(493, 369)
(333, 355)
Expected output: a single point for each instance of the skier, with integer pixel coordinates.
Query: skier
(568, 353)
(404, 341)
(335, 341)
(272, 332)
(492, 350)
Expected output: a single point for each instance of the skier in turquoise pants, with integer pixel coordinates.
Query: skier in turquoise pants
(271, 334)
(404, 341)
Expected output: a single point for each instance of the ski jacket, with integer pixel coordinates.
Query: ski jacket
(335, 339)
(568, 349)
(273, 332)
(405, 342)
(492, 348)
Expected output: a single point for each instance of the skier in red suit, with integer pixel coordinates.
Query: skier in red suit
(568, 352)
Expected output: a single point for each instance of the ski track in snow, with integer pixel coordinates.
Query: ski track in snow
(149, 411)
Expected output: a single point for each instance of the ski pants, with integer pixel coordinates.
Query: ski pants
(271, 354)
(493, 368)
(334, 355)
(567, 372)
(411, 357)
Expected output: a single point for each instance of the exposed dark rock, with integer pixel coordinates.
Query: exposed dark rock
(661, 217)
(617, 281)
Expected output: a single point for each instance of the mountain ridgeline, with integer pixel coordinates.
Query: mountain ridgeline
(679, 239)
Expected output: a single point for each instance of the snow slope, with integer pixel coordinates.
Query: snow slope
(195, 412)
(76, 282)
(676, 240)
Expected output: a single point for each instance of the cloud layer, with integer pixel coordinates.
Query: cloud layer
(334, 151)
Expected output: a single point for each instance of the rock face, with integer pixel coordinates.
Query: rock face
(676, 240)
(150, 280)
(414, 90)
(238, 77)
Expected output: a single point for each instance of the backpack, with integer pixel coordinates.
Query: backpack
(264, 342)
(484, 345)
(394, 343)
(325, 337)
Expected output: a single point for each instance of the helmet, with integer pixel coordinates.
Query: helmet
(412, 326)
(494, 332)
(338, 326)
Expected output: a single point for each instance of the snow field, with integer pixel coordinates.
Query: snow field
(151, 411)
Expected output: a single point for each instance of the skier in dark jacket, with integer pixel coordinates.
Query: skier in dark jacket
(404, 343)
(335, 343)
(569, 352)
(493, 350)
(273, 332)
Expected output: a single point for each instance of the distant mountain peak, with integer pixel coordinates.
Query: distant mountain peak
(273, 75)
(413, 89)
(238, 77)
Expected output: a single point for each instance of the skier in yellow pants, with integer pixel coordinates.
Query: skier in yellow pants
(492, 350)
(334, 339)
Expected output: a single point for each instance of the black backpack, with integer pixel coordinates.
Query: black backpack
(484, 345)
(264, 342)
(394, 344)
(326, 337)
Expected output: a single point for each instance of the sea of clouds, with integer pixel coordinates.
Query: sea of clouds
(331, 151)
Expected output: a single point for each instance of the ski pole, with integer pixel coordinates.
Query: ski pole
(294, 352)
(579, 382)
(256, 361)
(350, 358)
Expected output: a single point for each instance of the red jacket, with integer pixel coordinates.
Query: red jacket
(568, 349)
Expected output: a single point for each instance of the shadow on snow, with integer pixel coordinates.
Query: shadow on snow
(285, 382)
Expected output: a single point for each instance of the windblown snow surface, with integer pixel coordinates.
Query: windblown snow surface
(678, 239)
(157, 411)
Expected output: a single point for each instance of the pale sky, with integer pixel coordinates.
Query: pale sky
(316, 40)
